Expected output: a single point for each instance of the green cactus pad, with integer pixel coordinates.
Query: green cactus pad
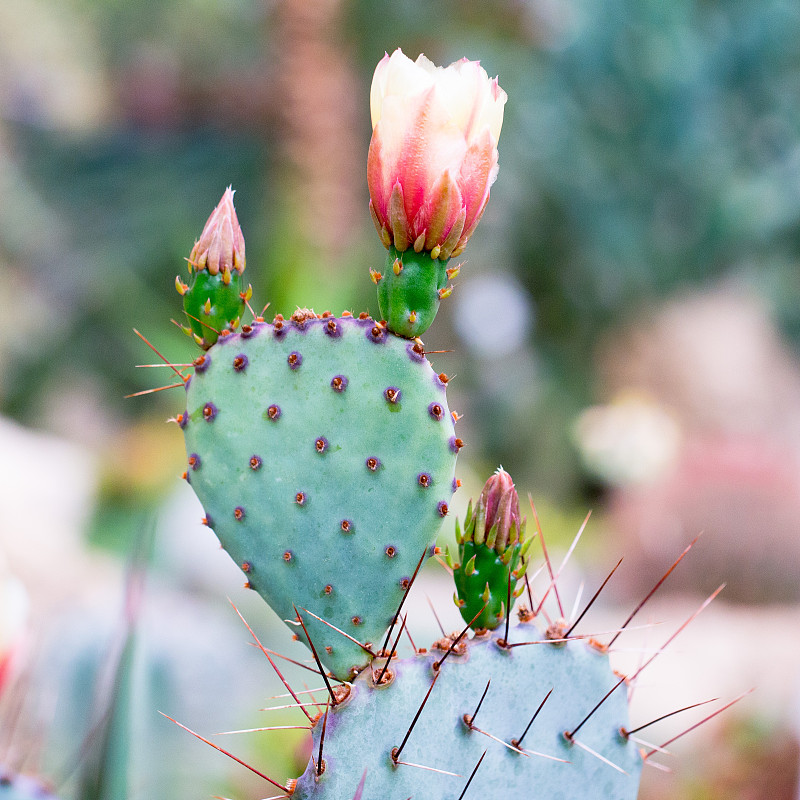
(362, 732)
(408, 294)
(323, 452)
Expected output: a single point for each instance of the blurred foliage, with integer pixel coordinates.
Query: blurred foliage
(646, 147)
(128, 204)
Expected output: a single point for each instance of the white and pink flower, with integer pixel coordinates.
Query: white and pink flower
(433, 154)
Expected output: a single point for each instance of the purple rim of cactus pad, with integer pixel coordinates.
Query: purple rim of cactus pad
(209, 412)
(202, 363)
(332, 327)
(183, 419)
(415, 352)
(294, 359)
(455, 444)
(246, 331)
(455, 484)
(279, 329)
(339, 383)
(240, 362)
(194, 462)
(439, 383)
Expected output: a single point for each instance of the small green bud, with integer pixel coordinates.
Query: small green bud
(491, 548)
(215, 297)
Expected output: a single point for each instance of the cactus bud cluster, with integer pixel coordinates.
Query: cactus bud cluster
(432, 160)
(492, 551)
(214, 299)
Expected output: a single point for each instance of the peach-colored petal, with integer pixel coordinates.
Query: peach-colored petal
(440, 210)
(398, 221)
(376, 165)
(453, 237)
(478, 171)
(221, 244)
(434, 145)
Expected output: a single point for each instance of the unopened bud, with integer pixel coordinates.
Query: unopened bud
(220, 247)
(497, 517)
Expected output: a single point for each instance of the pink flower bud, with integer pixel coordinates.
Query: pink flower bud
(498, 507)
(221, 244)
(433, 154)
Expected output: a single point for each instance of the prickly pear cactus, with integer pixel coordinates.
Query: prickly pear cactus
(481, 698)
(323, 452)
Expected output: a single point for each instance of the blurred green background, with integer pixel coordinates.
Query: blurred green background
(624, 333)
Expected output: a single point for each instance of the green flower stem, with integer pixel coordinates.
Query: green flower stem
(211, 305)
(408, 291)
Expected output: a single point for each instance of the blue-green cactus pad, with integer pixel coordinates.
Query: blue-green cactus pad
(323, 452)
(361, 732)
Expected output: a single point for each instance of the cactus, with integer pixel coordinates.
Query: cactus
(410, 289)
(323, 451)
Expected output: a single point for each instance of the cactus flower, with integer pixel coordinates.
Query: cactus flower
(433, 154)
(431, 162)
(491, 554)
(214, 299)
